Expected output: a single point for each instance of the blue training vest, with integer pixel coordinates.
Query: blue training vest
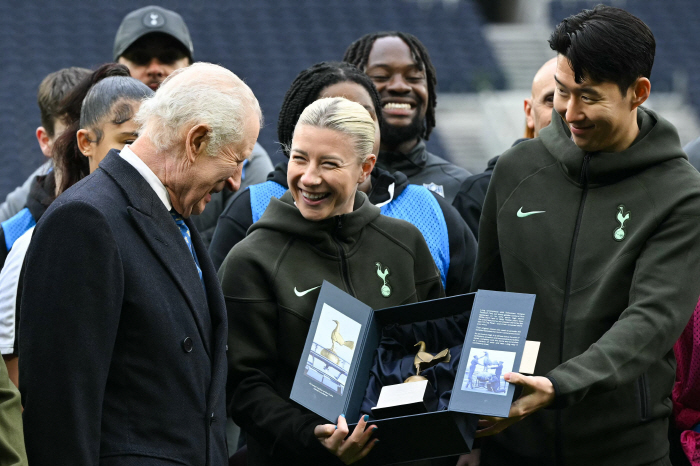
(16, 226)
(416, 205)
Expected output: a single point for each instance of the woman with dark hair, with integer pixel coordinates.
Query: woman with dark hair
(451, 243)
(98, 113)
(322, 228)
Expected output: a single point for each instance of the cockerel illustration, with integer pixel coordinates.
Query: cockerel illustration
(336, 337)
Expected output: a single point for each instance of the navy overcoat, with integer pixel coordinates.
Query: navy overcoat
(122, 351)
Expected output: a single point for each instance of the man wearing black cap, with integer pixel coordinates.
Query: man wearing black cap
(153, 42)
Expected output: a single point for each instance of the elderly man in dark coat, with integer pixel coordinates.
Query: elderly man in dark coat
(123, 331)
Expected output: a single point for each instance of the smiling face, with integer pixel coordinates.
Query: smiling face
(599, 116)
(200, 174)
(324, 172)
(403, 87)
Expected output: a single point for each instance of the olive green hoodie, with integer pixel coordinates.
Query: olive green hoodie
(610, 244)
(271, 281)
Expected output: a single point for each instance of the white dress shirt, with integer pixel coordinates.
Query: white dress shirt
(150, 177)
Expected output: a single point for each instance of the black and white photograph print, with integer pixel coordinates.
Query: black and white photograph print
(485, 370)
(332, 349)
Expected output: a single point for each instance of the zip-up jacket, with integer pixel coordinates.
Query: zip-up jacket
(271, 282)
(610, 244)
(450, 241)
(426, 169)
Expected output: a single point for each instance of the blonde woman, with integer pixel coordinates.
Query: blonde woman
(322, 228)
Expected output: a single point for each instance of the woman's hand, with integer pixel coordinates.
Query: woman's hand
(350, 449)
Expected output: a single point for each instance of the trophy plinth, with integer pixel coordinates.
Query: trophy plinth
(405, 399)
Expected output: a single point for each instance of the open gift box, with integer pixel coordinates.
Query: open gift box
(352, 352)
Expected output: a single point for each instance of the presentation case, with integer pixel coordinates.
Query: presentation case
(350, 351)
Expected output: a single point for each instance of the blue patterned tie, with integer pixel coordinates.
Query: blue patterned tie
(185, 232)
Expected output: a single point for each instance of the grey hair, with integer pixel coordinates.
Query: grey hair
(345, 116)
(210, 94)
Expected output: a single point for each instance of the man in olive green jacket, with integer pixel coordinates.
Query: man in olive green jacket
(11, 437)
(600, 218)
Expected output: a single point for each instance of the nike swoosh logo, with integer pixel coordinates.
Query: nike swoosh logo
(527, 214)
(302, 293)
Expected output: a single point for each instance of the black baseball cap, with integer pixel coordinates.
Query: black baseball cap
(150, 19)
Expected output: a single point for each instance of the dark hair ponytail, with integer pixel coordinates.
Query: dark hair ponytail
(71, 164)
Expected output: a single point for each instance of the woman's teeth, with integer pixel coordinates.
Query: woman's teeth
(313, 197)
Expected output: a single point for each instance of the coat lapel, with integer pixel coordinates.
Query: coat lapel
(160, 232)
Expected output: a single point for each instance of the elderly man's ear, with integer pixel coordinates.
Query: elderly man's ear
(197, 141)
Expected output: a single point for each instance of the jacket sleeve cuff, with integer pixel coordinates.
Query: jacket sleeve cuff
(558, 402)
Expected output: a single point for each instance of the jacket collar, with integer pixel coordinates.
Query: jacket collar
(386, 186)
(139, 193)
(147, 174)
(283, 216)
(410, 164)
(279, 174)
(657, 142)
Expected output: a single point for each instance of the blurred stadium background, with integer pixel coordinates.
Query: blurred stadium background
(485, 52)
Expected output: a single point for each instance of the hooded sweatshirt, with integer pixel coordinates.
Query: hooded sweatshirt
(271, 282)
(451, 243)
(610, 244)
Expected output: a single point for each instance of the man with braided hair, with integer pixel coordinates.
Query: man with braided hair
(400, 67)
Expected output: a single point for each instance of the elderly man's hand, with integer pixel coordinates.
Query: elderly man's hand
(538, 393)
(350, 449)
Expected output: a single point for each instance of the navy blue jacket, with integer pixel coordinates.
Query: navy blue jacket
(123, 356)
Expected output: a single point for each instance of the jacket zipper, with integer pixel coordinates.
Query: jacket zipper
(343, 261)
(643, 396)
(583, 180)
